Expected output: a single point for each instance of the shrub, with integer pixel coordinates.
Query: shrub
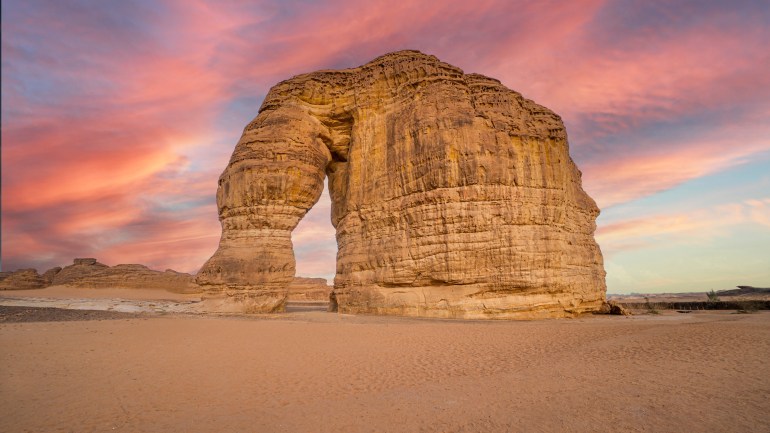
(712, 295)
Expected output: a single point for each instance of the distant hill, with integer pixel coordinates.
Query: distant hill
(743, 290)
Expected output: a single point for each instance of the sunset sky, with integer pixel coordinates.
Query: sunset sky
(119, 116)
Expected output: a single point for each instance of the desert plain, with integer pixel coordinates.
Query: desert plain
(149, 366)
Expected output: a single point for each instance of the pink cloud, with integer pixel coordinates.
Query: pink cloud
(658, 168)
(653, 76)
(92, 173)
(118, 150)
(698, 226)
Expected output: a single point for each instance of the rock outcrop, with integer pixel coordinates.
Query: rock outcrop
(22, 279)
(308, 289)
(613, 308)
(81, 268)
(452, 196)
(89, 273)
(137, 277)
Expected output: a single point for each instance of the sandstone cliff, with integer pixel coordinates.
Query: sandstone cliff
(452, 196)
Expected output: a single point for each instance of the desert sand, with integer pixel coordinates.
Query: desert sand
(312, 371)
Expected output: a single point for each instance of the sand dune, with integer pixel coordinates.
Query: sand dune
(323, 372)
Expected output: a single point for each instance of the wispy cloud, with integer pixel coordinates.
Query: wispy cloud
(118, 117)
(657, 167)
(697, 227)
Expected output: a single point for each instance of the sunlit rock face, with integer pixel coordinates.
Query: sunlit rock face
(452, 196)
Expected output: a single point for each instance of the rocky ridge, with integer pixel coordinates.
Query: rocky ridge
(89, 273)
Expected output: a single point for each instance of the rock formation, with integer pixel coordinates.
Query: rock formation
(88, 273)
(613, 308)
(137, 277)
(308, 289)
(452, 196)
(22, 279)
(81, 268)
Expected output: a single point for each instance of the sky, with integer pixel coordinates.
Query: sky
(119, 116)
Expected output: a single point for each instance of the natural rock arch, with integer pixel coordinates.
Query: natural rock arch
(452, 196)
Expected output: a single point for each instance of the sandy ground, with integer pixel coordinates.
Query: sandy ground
(110, 299)
(311, 371)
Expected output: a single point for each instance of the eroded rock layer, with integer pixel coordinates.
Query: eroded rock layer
(133, 276)
(89, 273)
(452, 196)
(23, 279)
(309, 289)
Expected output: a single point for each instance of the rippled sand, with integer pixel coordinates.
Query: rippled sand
(323, 372)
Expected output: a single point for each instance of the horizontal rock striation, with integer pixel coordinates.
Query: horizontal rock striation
(79, 269)
(133, 276)
(452, 196)
(308, 289)
(89, 273)
(23, 279)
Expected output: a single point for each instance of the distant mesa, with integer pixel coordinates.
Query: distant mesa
(89, 273)
(452, 196)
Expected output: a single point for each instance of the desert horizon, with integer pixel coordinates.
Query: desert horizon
(338, 216)
(671, 293)
(143, 359)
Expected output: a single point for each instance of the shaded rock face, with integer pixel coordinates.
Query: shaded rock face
(49, 275)
(613, 308)
(452, 196)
